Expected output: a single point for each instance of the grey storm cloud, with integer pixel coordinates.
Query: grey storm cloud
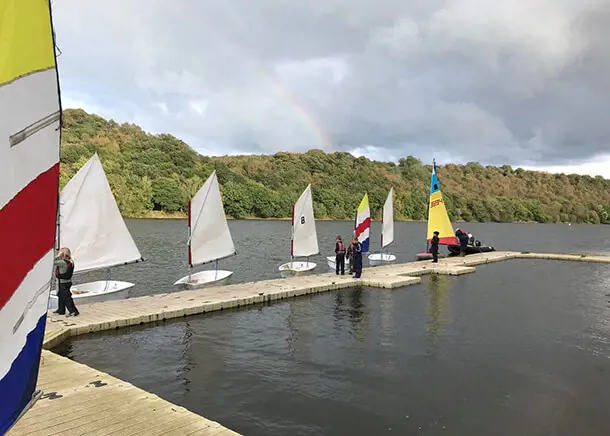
(503, 81)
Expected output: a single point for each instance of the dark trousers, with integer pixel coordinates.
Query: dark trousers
(340, 263)
(64, 299)
(434, 255)
(357, 266)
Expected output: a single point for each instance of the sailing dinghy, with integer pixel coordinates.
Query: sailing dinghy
(91, 226)
(209, 237)
(29, 182)
(438, 218)
(304, 241)
(387, 233)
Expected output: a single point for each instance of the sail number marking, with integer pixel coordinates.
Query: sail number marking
(436, 202)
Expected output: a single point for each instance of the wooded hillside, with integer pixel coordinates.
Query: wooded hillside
(159, 173)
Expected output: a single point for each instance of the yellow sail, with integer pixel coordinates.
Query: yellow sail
(438, 219)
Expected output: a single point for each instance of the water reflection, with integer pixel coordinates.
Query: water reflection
(185, 359)
(300, 322)
(437, 290)
(355, 311)
(386, 309)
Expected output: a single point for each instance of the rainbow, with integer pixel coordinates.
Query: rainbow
(363, 223)
(277, 89)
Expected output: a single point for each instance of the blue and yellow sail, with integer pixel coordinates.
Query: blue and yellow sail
(438, 218)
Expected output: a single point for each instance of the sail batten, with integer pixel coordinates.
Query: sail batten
(90, 223)
(387, 226)
(29, 179)
(304, 236)
(210, 237)
(438, 218)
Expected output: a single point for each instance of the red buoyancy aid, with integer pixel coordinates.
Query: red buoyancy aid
(340, 247)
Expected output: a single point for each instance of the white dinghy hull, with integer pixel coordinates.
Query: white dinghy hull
(95, 292)
(204, 279)
(377, 259)
(332, 263)
(296, 268)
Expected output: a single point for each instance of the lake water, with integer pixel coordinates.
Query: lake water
(518, 348)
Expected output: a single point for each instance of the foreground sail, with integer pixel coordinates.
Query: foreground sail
(304, 241)
(438, 219)
(29, 177)
(363, 223)
(209, 236)
(387, 232)
(91, 226)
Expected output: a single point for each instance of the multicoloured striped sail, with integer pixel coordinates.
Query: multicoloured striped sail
(29, 177)
(363, 223)
(438, 219)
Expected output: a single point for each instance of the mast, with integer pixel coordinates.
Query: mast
(382, 213)
(57, 243)
(292, 238)
(190, 256)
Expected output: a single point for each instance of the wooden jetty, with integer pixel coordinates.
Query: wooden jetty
(79, 400)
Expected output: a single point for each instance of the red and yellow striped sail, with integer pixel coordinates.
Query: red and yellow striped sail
(29, 177)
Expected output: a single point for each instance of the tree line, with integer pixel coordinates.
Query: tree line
(157, 174)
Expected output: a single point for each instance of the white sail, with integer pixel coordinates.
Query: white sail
(210, 236)
(387, 230)
(90, 222)
(304, 236)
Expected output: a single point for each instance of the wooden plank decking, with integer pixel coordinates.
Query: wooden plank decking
(78, 400)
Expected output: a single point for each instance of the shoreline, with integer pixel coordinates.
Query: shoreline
(183, 216)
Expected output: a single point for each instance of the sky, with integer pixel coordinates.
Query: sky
(518, 82)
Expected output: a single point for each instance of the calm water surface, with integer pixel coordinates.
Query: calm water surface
(263, 245)
(519, 348)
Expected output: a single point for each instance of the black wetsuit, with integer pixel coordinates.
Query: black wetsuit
(434, 248)
(64, 269)
(357, 259)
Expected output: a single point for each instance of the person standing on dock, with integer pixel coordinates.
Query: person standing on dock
(350, 257)
(463, 238)
(357, 257)
(434, 247)
(340, 256)
(64, 268)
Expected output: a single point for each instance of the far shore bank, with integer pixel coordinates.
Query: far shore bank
(182, 216)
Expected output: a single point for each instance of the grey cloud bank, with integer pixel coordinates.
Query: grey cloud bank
(502, 82)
